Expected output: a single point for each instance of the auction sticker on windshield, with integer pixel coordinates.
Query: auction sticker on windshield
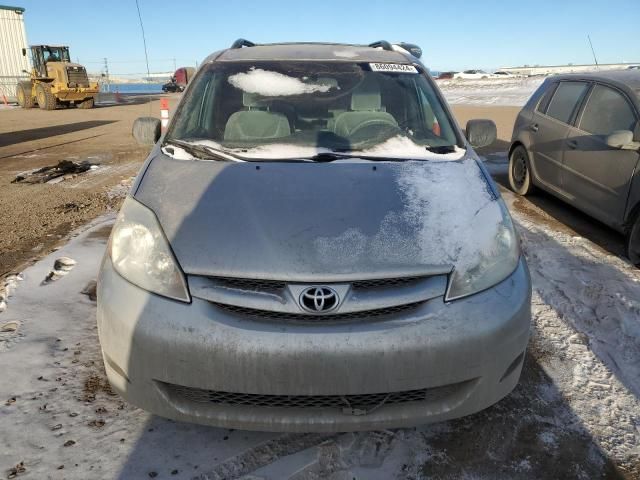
(393, 67)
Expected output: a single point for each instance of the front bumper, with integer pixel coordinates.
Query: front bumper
(176, 359)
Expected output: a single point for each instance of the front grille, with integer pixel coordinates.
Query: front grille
(278, 285)
(305, 317)
(386, 282)
(78, 76)
(250, 284)
(364, 401)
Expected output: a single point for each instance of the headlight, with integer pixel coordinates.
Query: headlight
(489, 256)
(141, 254)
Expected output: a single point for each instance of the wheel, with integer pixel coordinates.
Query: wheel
(46, 100)
(633, 242)
(88, 103)
(23, 92)
(146, 130)
(519, 171)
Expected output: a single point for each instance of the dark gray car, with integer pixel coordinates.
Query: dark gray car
(578, 137)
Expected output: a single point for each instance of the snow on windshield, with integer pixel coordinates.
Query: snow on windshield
(274, 84)
(397, 147)
(449, 218)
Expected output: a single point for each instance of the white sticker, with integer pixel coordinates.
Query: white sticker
(393, 67)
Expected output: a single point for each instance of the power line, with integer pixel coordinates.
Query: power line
(153, 60)
(144, 40)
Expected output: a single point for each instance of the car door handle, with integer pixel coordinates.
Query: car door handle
(572, 144)
(533, 127)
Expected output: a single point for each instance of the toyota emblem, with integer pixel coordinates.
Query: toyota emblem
(319, 299)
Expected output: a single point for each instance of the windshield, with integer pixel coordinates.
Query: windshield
(339, 106)
(56, 54)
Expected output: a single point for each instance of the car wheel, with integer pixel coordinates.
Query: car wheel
(519, 171)
(633, 242)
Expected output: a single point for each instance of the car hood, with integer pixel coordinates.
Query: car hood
(302, 221)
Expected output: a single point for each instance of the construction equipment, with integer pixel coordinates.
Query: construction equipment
(55, 80)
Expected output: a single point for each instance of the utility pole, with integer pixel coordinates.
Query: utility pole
(106, 74)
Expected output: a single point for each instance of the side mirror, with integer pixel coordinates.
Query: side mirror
(146, 130)
(24, 52)
(620, 138)
(481, 133)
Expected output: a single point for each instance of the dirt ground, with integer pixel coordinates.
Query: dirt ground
(36, 217)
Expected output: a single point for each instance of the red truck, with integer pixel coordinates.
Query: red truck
(179, 80)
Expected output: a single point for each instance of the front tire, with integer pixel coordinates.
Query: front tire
(633, 242)
(25, 100)
(520, 171)
(46, 100)
(88, 103)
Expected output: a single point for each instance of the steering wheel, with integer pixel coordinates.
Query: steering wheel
(369, 128)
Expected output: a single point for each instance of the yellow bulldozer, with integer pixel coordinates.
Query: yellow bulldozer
(55, 80)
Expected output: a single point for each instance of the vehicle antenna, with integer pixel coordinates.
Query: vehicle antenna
(594, 53)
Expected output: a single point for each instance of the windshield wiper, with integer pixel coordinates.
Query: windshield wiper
(441, 148)
(329, 156)
(203, 152)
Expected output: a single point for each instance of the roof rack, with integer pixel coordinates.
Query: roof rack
(381, 43)
(412, 48)
(241, 42)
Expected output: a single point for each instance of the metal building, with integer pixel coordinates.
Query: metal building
(13, 39)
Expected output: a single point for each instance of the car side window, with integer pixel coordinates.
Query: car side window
(607, 110)
(546, 97)
(565, 100)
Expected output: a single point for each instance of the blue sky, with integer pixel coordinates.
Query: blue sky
(454, 34)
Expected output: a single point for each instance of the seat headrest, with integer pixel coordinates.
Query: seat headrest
(251, 99)
(366, 97)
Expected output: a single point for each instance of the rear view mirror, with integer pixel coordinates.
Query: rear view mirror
(481, 133)
(146, 130)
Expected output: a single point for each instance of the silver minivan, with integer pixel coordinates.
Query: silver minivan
(314, 246)
(578, 138)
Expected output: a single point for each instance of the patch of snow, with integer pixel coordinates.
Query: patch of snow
(398, 147)
(345, 53)
(430, 229)
(471, 223)
(401, 146)
(596, 293)
(490, 91)
(273, 84)
(585, 310)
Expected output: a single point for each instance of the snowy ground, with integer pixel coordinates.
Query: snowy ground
(575, 413)
(490, 91)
